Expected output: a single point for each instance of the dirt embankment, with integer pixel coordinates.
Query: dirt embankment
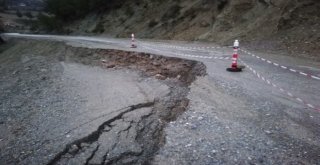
(38, 85)
(150, 65)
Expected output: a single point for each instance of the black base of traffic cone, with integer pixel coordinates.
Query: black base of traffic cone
(234, 69)
(133, 46)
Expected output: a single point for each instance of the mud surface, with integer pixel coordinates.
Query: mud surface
(66, 105)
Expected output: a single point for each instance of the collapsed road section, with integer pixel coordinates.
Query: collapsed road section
(67, 105)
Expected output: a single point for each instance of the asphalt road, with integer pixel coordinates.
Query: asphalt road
(267, 114)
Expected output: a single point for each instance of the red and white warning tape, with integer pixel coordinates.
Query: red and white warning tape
(281, 89)
(190, 47)
(189, 55)
(282, 66)
(193, 48)
(253, 71)
(253, 55)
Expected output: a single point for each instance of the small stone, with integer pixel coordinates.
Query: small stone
(193, 127)
(67, 156)
(156, 63)
(15, 72)
(268, 132)
(172, 122)
(160, 77)
(74, 149)
(111, 66)
(84, 145)
(269, 143)
(27, 68)
(214, 151)
(15, 156)
(188, 145)
(107, 129)
(209, 156)
(68, 136)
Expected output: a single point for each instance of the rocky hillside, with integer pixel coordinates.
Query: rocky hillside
(271, 24)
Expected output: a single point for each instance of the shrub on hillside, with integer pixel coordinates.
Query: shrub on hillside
(28, 14)
(191, 13)
(19, 14)
(50, 23)
(129, 11)
(153, 23)
(1, 26)
(99, 28)
(173, 12)
(69, 10)
(222, 4)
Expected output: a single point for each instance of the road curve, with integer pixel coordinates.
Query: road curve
(274, 104)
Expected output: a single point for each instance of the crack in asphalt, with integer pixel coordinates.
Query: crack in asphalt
(123, 155)
(92, 155)
(104, 158)
(94, 136)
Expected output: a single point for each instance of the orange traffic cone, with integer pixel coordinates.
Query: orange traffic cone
(133, 45)
(234, 65)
